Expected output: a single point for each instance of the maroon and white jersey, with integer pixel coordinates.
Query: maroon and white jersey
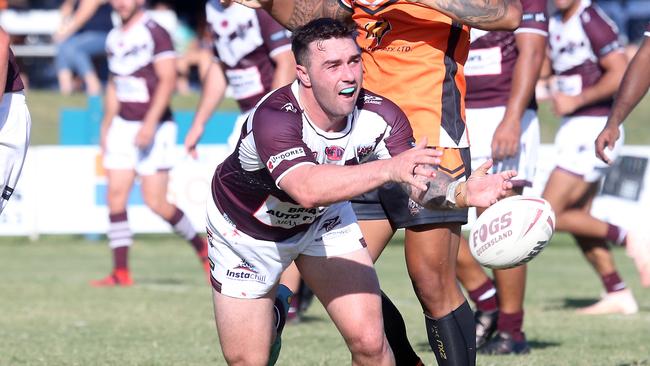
(245, 41)
(576, 46)
(14, 83)
(492, 58)
(279, 137)
(131, 55)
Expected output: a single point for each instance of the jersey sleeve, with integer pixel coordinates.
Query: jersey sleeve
(276, 37)
(534, 18)
(279, 143)
(600, 30)
(399, 135)
(647, 30)
(163, 45)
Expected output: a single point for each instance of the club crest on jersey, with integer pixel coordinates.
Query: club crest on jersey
(334, 153)
(364, 151)
(290, 154)
(288, 107)
(377, 30)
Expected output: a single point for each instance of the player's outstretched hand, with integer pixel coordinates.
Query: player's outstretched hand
(483, 189)
(606, 140)
(192, 139)
(418, 161)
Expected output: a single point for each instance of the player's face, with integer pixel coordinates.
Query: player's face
(335, 73)
(126, 9)
(564, 5)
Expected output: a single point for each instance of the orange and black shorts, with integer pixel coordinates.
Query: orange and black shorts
(391, 201)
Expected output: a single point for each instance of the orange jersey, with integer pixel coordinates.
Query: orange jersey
(414, 55)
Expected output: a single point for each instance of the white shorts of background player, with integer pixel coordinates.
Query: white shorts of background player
(481, 124)
(576, 150)
(122, 153)
(15, 124)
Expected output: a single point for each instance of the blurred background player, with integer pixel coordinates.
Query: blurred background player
(501, 71)
(633, 87)
(588, 63)
(252, 56)
(414, 54)
(15, 122)
(81, 36)
(138, 134)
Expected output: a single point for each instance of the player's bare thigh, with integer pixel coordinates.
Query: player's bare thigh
(348, 288)
(238, 344)
(377, 234)
(565, 190)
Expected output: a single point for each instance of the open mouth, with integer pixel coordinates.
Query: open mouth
(348, 92)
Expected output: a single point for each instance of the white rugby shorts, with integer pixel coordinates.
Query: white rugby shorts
(248, 268)
(576, 149)
(15, 124)
(481, 125)
(122, 154)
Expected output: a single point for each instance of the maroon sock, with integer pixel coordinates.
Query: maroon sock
(182, 226)
(613, 282)
(120, 239)
(616, 235)
(200, 245)
(511, 324)
(485, 296)
(121, 258)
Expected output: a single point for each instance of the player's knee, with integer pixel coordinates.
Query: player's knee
(368, 343)
(242, 357)
(433, 288)
(158, 205)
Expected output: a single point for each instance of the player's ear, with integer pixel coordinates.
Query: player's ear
(303, 76)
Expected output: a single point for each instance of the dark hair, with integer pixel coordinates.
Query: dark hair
(317, 30)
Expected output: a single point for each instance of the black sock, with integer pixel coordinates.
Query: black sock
(396, 334)
(453, 337)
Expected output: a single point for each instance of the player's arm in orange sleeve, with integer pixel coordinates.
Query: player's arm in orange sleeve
(294, 13)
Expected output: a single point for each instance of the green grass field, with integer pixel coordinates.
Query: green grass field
(49, 315)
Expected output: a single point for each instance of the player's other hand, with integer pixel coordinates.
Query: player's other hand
(144, 138)
(505, 141)
(416, 162)
(564, 104)
(606, 140)
(253, 4)
(483, 189)
(192, 139)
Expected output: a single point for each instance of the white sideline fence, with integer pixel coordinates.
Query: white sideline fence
(59, 192)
